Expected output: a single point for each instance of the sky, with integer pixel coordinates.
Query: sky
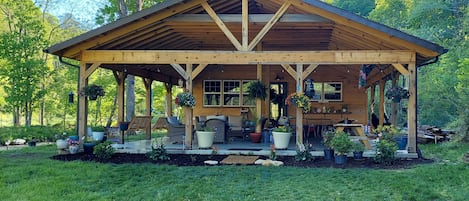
(84, 11)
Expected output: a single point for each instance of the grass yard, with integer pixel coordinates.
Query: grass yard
(29, 174)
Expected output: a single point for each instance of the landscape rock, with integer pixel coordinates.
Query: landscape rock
(211, 162)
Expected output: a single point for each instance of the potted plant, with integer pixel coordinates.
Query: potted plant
(257, 90)
(282, 136)
(205, 136)
(392, 134)
(327, 139)
(342, 145)
(358, 148)
(300, 101)
(61, 141)
(94, 91)
(73, 145)
(256, 136)
(397, 93)
(98, 133)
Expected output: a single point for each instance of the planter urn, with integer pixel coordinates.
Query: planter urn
(281, 139)
(205, 138)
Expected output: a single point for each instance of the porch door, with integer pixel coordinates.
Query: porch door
(278, 93)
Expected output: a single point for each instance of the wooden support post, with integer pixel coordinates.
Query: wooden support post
(259, 77)
(299, 111)
(372, 101)
(187, 110)
(394, 105)
(147, 83)
(83, 104)
(169, 99)
(412, 109)
(382, 84)
(120, 79)
(245, 24)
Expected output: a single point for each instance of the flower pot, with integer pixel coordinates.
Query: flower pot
(358, 155)
(281, 139)
(88, 148)
(205, 138)
(32, 143)
(61, 144)
(340, 159)
(123, 126)
(98, 136)
(74, 138)
(93, 97)
(255, 137)
(74, 149)
(328, 154)
(401, 142)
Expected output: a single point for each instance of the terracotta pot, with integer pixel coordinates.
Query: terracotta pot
(255, 137)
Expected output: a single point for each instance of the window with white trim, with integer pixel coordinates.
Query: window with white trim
(229, 93)
(327, 91)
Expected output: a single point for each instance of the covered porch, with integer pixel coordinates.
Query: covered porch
(190, 42)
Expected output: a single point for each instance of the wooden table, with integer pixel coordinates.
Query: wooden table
(358, 129)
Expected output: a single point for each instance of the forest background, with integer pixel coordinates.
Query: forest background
(35, 87)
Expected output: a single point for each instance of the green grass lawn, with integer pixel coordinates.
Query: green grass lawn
(29, 174)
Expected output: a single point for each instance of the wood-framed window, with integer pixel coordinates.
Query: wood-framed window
(227, 93)
(327, 91)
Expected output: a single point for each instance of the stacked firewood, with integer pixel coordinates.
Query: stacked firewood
(426, 134)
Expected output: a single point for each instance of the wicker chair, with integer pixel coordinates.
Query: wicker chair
(220, 127)
(176, 130)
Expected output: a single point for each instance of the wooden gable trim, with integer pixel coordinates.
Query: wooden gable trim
(239, 57)
(300, 4)
(123, 30)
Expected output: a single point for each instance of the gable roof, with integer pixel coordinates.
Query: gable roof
(307, 25)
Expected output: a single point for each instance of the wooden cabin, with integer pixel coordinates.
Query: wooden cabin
(216, 46)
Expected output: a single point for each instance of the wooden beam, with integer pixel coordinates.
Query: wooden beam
(253, 18)
(290, 70)
(412, 110)
(238, 57)
(309, 70)
(222, 25)
(269, 24)
(259, 77)
(401, 69)
(372, 102)
(180, 70)
(198, 70)
(245, 24)
(82, 104)
(394, 105)
(91, 69)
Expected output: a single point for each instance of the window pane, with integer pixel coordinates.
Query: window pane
(333, 91)
(212, 93)
(212, 99)
(231, 99)
(317, 91)
(231, 87)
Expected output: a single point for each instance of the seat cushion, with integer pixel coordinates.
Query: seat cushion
(173, 121)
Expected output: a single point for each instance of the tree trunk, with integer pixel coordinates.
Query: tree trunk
(113, 112)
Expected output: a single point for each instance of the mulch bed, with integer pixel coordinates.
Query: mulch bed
(198, 160)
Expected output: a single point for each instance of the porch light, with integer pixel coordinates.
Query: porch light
(71, 97)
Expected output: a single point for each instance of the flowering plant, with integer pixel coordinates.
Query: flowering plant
(299, 100)
(73, 142)
(397, 93)
(185, 99)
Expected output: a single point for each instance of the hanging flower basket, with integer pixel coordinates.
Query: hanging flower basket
(185, 100)
(299, 100)
(93, 91)
(397, 93)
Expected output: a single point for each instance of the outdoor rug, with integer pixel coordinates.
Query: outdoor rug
(239, 160)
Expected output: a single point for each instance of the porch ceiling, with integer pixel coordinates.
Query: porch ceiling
(184, 25)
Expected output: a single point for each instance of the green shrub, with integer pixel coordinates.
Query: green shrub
(158, 152)
(341, 143)
(304, 153)
(385, 151)
(103, 151)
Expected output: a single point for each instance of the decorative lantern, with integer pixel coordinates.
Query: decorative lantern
(309, 88)
(70, 97)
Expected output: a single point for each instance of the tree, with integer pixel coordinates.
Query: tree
(111, 12)
(359, 7)
(20, 47)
